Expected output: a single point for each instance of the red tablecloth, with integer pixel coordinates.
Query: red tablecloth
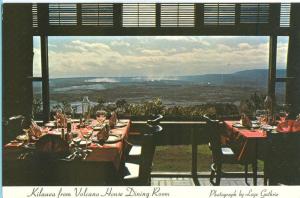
(108, 152)
(244, 141)
(247, 133)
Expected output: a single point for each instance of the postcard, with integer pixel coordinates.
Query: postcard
(150, 99)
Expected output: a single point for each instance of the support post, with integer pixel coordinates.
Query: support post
(45, 78)
(272, 68)
(158, 13)
(194, 156)
(199, 16)
(118, 15)
(293, 61)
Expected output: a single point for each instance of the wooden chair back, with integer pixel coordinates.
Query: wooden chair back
(214, 136)
(147, 155)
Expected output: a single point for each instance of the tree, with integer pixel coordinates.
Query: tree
(67, 108)
(121, 103)
(36, 106)
(254, 102)
(101, 101)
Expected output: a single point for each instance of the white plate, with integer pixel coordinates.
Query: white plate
(256, 126)
(22, 137)
(120, 124)
(268, 127)
(82, 143)
(111, 139)
(50, 124)
(238, 125)
(55, 132)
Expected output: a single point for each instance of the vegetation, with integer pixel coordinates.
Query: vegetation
(36, 106)
(155, 106)
(251, 104)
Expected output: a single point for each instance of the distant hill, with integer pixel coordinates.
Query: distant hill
(193, 89)
(255, 78)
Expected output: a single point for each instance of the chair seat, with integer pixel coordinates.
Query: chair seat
(227, 151)
(136, 150)
(131, 171)
(228, 156)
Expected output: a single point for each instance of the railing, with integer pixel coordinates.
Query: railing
(190, 133)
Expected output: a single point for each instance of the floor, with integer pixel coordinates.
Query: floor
(186, 181)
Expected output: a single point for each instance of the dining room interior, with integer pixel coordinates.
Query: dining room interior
(161, 94)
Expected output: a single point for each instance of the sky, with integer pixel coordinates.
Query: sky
(116, 56)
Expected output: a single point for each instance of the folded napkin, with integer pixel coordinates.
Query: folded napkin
(289, 126)
(51, 146)
(34, 129)
(14, 144)
(113, 120)
(61, 119)
(103, 132)
(245, 121)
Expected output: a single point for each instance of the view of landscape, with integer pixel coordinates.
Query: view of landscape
(172, 90)
(180, 71)
(179, 77)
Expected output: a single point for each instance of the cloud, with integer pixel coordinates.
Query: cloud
(37, 68)
(134, 56)
(120, 43)
(244, 46)
(152, 52)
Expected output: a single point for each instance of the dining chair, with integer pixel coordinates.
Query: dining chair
(282, 161)
(135, 150)
(139, 173)
(221, 153)
(12, 127)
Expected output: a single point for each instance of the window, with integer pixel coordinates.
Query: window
(37, 68)
(285, 11)
(139, 15)
(219, 14)
(281, 63)
(62, 14)
(254, 13)
(37, 108)
(37, 104)
(177, 15)
(34, 15)
(97, 14)
(181, 77)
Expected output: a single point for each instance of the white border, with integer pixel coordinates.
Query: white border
(155, 192)
(151, 1)
(172, 191)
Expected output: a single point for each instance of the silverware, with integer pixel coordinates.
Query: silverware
(25, 155)
(84, 157)
(70, 156)
(20, 156)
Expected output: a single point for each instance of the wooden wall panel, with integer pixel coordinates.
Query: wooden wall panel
(293, 62)
(17, 53)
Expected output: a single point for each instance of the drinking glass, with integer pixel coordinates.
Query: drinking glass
(87, 135)
(75, 139)
(284, 111)
(27, 138)
(282, 115)
(261, 116)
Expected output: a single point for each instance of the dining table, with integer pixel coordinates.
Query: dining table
(245, 142)
(102, 166)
